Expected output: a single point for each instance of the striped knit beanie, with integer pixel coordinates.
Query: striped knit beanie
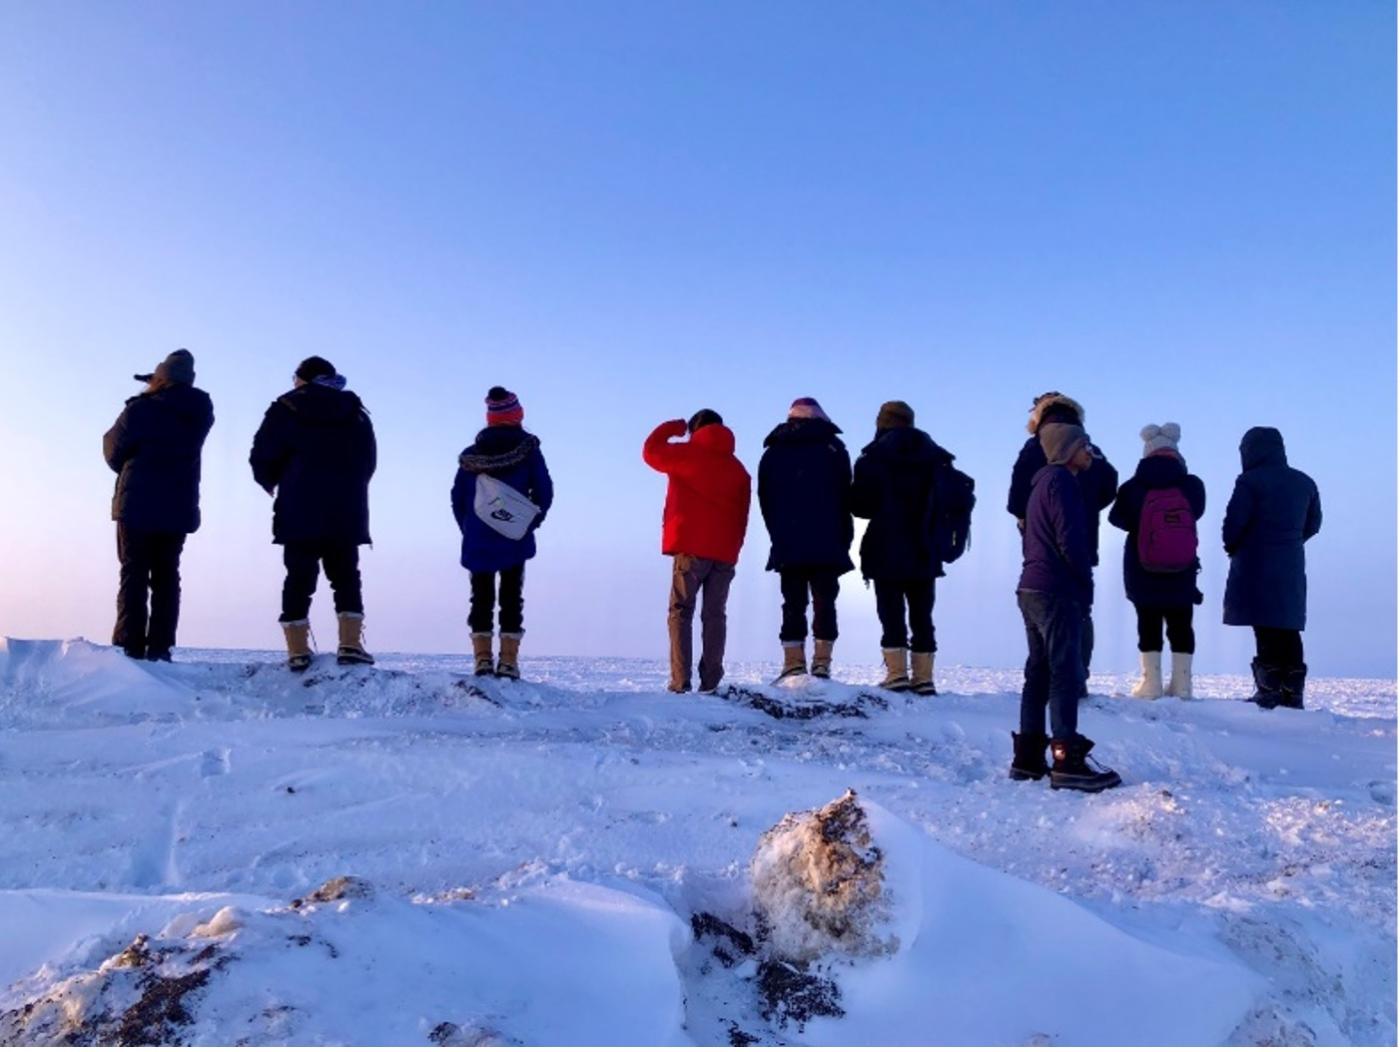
(502, 407)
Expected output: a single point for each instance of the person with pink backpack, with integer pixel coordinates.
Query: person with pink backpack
(1159, 508)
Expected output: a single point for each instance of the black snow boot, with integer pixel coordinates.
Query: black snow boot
(1291, 682)
(1268, 685)
(1074, 770)
(1028, 757)
(158, 655)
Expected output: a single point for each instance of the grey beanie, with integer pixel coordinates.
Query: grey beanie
(178, 368)
(894, 414)
(1156, 439)
(1061, 441)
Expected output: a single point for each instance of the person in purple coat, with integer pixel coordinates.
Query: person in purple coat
(1056, 587)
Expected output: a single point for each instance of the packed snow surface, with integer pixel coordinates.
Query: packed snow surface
(572, 859)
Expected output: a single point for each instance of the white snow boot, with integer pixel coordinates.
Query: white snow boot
(1150, 685)
(1180, 685)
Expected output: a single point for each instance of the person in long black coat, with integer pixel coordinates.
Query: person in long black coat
(1273, 510)
(1098, 483)
(155, 448)
(316, 450)
(1159, 596)
(804, 492)
(892, 487)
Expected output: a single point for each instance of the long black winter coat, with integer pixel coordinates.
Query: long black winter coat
(1272, 511)
(1145, 588)
(893, 478)
(316, 449)
(154, 447)
(1098, 483)
(804, 492)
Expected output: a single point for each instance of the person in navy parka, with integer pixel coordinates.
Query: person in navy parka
(155, 447)
(1274, 509)
(505, 451)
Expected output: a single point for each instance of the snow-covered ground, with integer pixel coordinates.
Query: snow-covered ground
(567, 860)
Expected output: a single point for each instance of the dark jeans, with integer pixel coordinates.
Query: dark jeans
(304, 560)
(1279, 647)
(690, 576)
(150, 562)
(512, 596)
(1086, 641)
(890, 599)
(1179, 631)
(824, 585)
(1053, 665)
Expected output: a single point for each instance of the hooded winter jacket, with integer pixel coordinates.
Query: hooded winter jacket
(316, 450)
(1143, 587)
(804, 492)
(1273, 510)
(894, 478)
(155, 448)
(1098, 484)
(707, 491)
(511, 454)
(1055, 555)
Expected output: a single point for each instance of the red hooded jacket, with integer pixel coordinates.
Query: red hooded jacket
(707, 495)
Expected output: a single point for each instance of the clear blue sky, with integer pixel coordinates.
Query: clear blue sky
(625, 211)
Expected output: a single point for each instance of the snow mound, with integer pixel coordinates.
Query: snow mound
(558, 963)
(819, 885)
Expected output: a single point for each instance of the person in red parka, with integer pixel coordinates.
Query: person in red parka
(707, 512)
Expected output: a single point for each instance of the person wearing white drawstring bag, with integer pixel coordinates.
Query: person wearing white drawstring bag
(1159, 508)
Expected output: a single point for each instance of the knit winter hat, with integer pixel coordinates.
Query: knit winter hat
(178, 368)
(704, 418)
(1054, 408)
(314, 368)
(807, 409)
(1061, 441)
(1158, 439)
(894, 414)
(502, 407)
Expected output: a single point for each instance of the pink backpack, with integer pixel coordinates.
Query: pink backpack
(1166, 532)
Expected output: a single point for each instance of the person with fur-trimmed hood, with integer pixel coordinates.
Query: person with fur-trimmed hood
(893, 484)
(1274, 510)
(1057, 583)
(804, 492)
(316, 451)
(1098, 484)
(506, 452)
(155, 448)
(708, 492)
(1159, 508)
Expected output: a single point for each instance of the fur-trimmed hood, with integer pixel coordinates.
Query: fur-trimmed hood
(1054, 408)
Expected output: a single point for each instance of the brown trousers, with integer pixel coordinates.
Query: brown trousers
(707, 580)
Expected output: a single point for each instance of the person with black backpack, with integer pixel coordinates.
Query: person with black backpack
(500, 497)
(1159, 508)
(899, 479)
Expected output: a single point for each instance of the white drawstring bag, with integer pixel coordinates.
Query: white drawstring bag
(504, 508)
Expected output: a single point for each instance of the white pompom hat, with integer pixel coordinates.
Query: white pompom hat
(1156, 439)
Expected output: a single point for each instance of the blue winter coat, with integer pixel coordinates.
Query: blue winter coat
(511, 454)
(155, 447)
(1272, 511)
(1144, 587)
(1055, 555)
(316, 449)
(892, 484)
(1098, 485)
(804, 492)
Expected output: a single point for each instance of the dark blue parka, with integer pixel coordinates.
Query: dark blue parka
(511, 454)
(154, 447)
(1144, 588)
(1055, 554)
(316, 449)
(1272, 511)
(1098, 485)
(804, 492)
(893, 478)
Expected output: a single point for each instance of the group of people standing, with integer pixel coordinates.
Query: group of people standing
(315, 453)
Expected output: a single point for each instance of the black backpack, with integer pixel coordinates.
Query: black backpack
(951, 500)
